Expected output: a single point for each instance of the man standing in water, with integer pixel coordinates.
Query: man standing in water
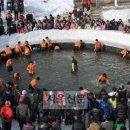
(74, 65)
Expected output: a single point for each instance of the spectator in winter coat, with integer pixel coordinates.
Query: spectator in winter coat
(21, 7)
(25, 97)
(16, 10)
(44, 124)
(8, 17)
(57, 113)
(35, 28)
(88, 4)
(122, 109)
(113, 102)
(84, 4)
(75, 12)
(8, 95)
(108, 123)
(106, 107)
(95, 126)
(30, 26)
(80, 13)
(78, 123)
(25, 30)
(72, 26)
(102, 26)
(40, 24)
(21, 18)
(7, 116)
(122, 91)
(96, 115)
(19, 28)
(22, 112)
(33, 104)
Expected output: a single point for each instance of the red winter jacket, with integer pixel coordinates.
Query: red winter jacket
(89, 2)
(6, 113)
(75, 12)
(84, 2)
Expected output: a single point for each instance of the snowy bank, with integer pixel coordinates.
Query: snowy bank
(109, 38)
(116, 14)
(54, 7)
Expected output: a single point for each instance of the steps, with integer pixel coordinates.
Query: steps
(96, 13)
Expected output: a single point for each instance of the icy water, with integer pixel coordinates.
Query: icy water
(54, 69)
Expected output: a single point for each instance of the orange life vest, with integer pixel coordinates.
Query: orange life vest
(8, 51)
(31, 68)
(18, 48)
(8, 62)
(124, 52)
(24, 45)
(49, 42)
(77, 44)
(102, 78)
(43, 45)
(16, 77)
(33, 83)
(27, 51)
(98, 45)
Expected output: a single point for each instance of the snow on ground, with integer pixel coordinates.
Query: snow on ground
(116, 14)
(54, 7)
(110, 38)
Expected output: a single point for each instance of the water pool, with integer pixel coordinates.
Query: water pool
(54, 69)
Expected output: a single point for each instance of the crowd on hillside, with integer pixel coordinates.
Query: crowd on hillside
(17, 22)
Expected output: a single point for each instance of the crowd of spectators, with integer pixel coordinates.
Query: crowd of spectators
(103, 111)
(77, 19)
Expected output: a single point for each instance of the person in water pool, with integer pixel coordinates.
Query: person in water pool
(74, 65)
(103, 80)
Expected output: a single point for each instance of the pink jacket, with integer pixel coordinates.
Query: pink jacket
(66, 27)
(102, 26)
(72, 26)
